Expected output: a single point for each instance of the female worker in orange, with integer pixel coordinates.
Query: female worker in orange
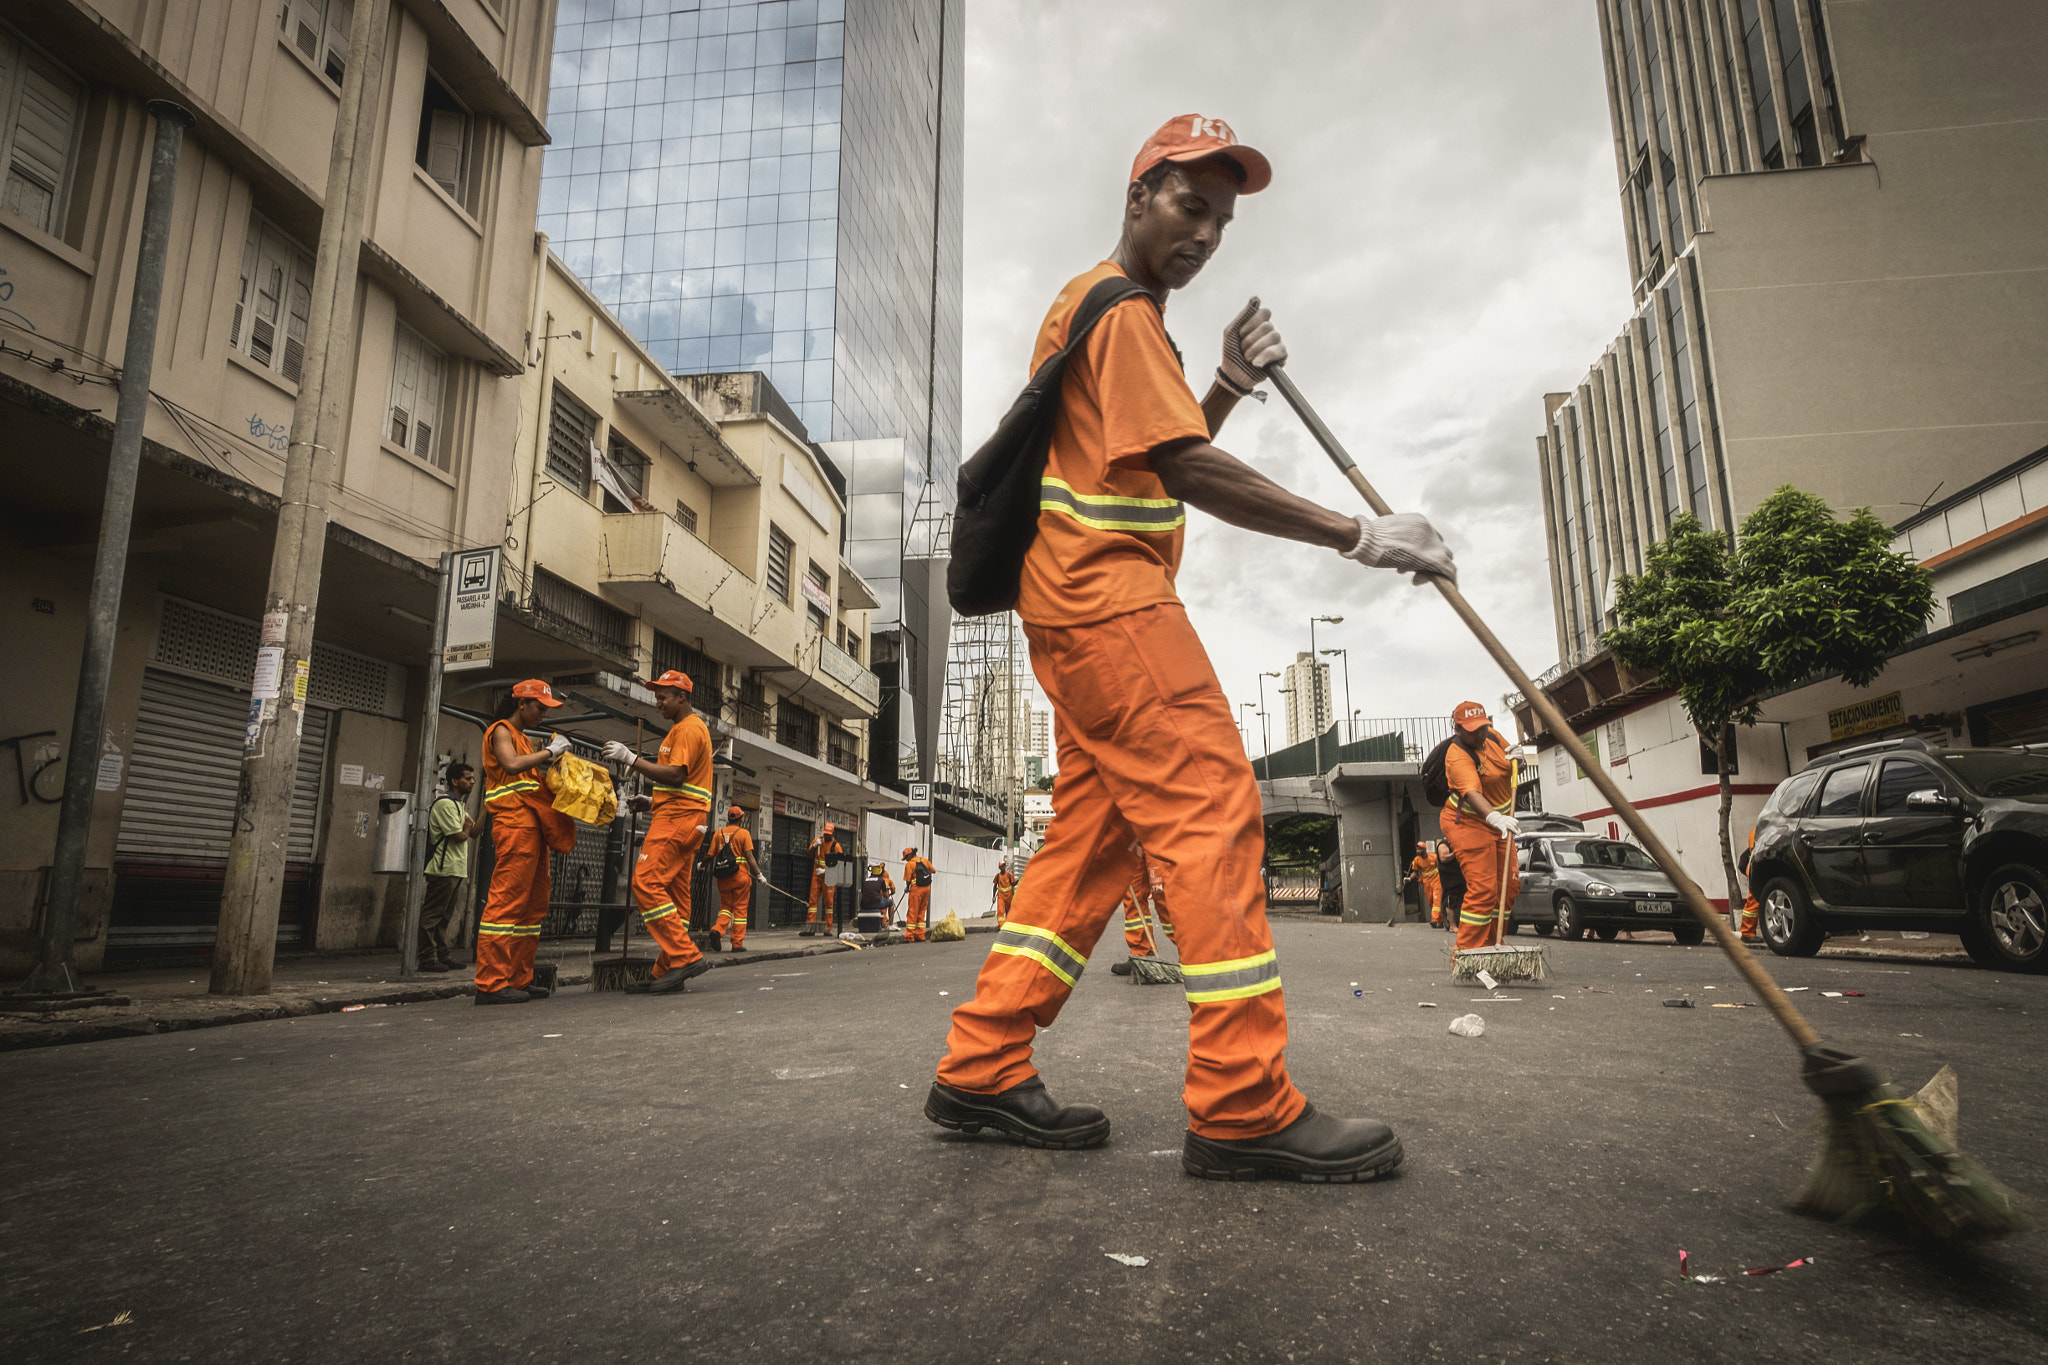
(917, 880)
(735, 888)
(1006, 885)
(1476, 821)
(508, 935)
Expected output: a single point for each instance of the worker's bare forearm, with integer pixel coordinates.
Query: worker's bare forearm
(667, 774)
(1217, 407)
(513, 761)
(1230, 490)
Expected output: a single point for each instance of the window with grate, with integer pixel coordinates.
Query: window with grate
(703, 671)
(196, 639)
(842, 750)
(572, 428)
(571, 606)
(753, 705)
(418, 380)
(687, 515)
(629, 472)
(39, 108)
(796, 728)
(319, 29)
(276, 299)
(780, 550)
(817, 588)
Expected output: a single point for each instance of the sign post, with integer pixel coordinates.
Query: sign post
(469, 604)
(423, 784)
(920, 800)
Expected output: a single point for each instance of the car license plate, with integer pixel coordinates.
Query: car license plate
(1653, 907)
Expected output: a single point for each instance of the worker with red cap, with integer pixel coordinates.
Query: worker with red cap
(1477, 822)
(1005, 888)
(732, 847)
(918, 874)
(1422, 871)
(508, 933)
(681, 773)
(825, 852)
(1148, 751)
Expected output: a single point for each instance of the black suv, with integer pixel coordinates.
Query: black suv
(1904, 835)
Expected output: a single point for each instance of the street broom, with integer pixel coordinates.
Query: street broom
(1498, 962)
(1881, 1160)
(1150, 970)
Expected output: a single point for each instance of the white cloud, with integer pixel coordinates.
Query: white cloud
(1441, 244)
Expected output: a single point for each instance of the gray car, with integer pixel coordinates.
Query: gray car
(1575, 882)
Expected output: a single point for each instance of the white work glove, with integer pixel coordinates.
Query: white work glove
(615, 752)
(1503, 825)
(559, 745)
(1250, 344)
(1404, 542)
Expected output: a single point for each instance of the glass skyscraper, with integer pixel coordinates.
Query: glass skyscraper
(775, 185)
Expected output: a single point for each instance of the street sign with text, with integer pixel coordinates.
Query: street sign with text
(472, 610)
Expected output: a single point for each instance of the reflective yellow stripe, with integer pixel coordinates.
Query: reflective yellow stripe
(687, 790)
(1209, 982)
(504, 928)
(1107, 513)
(510, 789)
(1044, 947)
(662, 911)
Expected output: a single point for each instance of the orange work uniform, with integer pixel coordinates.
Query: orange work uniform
(1006, 887)
(661, 877)
(508, 935)
(1481, 852)
(1148, 750)
(735, 893)
(1423, 868)
(1137, 923)
(1155, 876)
(919, 898)
(820, 910)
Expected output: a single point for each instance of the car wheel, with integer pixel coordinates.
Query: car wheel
(1790, 927)
(1568, 925)
(2012, 918)
(1607, 933)
(1691, 935)
(1511, 927)
(1542, 930)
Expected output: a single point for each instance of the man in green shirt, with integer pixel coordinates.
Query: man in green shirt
(450, 827)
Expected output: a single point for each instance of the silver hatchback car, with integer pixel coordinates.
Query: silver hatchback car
(1572, 883)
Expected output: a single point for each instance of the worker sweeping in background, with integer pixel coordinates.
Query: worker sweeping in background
(1750, 909)
(508, 935)
(1422, 870)
(1476, 822)
(1138, 941)
(825, 852)
(1148, 750)
(1006, 886)
(1155, 880)
(732, 863)
(681, 773)
(918, 874)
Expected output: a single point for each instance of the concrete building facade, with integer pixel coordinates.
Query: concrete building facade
(1310, 709)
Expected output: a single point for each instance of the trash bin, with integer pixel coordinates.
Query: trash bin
(394, 833)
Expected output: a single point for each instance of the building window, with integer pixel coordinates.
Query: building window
(276, 296)
(39, 117)
(753, 705)
(623, 475)
(849, 640)
(780, 547)
(796, 728)
(687, 515)
(319, 29)
(571, 606)
(418, 380)
(817, 597)
(704, 672)
(444, 151)
(842, 750)
(572, 432)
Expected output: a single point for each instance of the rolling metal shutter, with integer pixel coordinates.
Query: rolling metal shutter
(2015, 720)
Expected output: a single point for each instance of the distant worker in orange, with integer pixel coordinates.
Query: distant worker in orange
(1148, 751)
(825, 851)
(508, 934)
(1006, 886)
(1422, 870)
(1476, 820)
(732, 863)
(681, 772)
(918, 874)
(1155, 877)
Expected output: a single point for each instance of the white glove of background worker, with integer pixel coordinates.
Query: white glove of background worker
(559, 744)
(1503, 825)
(615, 752)
(1404, 542)
(1250, 343)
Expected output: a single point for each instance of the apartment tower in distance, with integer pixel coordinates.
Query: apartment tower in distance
(775, 186)
(1833, 218)
(1310, 710)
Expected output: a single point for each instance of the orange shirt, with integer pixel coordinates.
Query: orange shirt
(687, 746)
(1492, 776)
(910, 867)
(821, 848)
(506, 792)
(742, 848)
(1423, 865)
(1109, 539)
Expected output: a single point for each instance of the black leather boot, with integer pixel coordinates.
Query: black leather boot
(1314, 1147)
(1023, 1113)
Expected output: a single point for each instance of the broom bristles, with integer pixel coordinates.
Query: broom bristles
(1503, 964)
(1150, 971)
(1881, 1162)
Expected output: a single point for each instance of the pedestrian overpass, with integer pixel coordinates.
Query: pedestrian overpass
(1380, 814)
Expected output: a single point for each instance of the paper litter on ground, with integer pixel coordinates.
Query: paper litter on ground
(1121, 1259)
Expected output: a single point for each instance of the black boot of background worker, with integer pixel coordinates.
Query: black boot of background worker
(1315, 1147)
(1023, 1113)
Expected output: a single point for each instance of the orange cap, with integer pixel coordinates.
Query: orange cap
(1470, 715)
(827, 829)
(736, 813)
(910, 853)
(679, 681)
(1190, 137)
(533, 689)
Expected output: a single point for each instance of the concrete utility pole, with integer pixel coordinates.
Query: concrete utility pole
(247, 941)
(1315, 685)
(423, 783)
(55, 974)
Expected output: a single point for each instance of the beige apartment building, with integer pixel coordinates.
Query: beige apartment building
(1837, 229)
(437, 335)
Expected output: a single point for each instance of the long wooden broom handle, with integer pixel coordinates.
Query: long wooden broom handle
(1780, 1004)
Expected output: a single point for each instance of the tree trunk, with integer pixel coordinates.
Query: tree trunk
(1723, 742)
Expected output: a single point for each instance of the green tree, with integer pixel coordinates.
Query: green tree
(1043, 784)
(1301, 840)
(1801, 593)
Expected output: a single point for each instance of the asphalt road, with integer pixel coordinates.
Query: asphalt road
(743, 1173)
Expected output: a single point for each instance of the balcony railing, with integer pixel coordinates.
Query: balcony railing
(845, 757)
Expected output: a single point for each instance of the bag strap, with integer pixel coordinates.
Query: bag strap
(1104, 295)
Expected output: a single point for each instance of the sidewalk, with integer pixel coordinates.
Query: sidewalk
(170, 999)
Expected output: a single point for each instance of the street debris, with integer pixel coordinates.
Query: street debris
(1486, 979)
(809, 1073)
(1121, 1259)
(1425, 1004)
(123, 1318)
(1678, 1004)
(1832, 995)
(551, 1035)
(1468, 1026)
(1743, 1006)
(1774, 1269)
(1685, 1272)
(1790, 989)
(351, 1009)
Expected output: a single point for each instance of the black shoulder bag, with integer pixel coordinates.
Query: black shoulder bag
(997, 517)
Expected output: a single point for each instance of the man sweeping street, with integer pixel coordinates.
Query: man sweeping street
(681, 772)
(1148, 750)
(818, 917)
(1422, 871)
(918, 875)
(1476, 822)
(1005, 888)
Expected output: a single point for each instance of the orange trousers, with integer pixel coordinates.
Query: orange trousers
(919, 909)
(508, 935)
(1480, 852)
(1148, 754)
(661, 882)
(1003, 899)
(735, 894)
(821, 901)
(1138, 930)
(1749, 913)
(1433, 897)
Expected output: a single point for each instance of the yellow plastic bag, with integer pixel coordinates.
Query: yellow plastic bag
(949, 929)
(583, 790)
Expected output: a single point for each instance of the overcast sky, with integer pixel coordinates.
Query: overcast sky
(1441, 245)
